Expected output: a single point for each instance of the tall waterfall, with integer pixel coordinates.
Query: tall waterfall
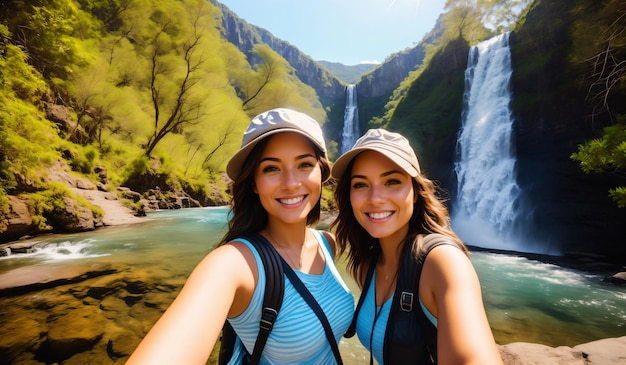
(487, 211)
(350, 120)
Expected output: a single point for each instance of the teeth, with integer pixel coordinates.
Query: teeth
(292, 200)
(379, 215)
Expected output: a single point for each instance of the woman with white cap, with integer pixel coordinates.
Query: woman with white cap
(277, 181)
(421, 299)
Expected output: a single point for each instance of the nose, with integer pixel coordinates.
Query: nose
(291, 179)
(377, 194)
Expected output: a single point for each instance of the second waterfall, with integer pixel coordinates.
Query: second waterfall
(350, 120)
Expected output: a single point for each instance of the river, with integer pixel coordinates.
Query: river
(148, 262)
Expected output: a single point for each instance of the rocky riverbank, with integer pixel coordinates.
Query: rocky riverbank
(120, 205)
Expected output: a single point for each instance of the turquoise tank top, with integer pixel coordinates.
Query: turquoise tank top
(298, 336)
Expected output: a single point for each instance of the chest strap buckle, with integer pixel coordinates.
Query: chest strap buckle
(406, 301)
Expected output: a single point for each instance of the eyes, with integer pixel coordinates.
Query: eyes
(361, 184)
(270, 166)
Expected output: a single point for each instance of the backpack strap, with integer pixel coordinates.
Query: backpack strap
(272, 301)
(409, 333)
(310, 300)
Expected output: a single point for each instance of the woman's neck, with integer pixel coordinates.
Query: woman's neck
(286, 235)
(391, 249)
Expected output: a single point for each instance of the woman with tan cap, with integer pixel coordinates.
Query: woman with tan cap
(277, 181)
(421, 300)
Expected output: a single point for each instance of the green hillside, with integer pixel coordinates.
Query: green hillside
(147, 91)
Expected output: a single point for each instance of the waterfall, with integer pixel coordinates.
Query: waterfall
(350, 120)
(487, 211)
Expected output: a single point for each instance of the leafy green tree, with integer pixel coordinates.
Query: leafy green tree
(607, 155)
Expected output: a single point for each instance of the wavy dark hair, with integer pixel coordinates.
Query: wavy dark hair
(247, 212)
(430, 215)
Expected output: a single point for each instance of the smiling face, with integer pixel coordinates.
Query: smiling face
(288, 178)
(382, 197)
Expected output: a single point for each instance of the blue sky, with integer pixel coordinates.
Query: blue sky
(344, 31)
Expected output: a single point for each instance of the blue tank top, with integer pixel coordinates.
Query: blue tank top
(298, 336)
(366, 320)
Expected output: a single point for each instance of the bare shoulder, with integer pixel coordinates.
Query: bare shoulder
(448, 262)
(232, 253)
(331, 241)
(233, 259)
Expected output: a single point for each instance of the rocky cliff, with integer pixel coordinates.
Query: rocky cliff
(244, 36)
(570, 209)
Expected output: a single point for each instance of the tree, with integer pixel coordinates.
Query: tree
(182, 108)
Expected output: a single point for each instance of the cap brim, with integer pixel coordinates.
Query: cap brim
(342, 163)
(234, 166)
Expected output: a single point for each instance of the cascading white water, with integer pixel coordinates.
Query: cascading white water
(350, 120)
(486, 212)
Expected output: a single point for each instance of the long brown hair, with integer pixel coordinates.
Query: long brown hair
(247, 212)
(430, 215)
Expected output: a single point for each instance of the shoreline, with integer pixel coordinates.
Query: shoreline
(579, 261)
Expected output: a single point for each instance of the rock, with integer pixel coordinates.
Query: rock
(21, 335)
(18, 221)
(75, 217)
(522, 353)
(32, 278)
(617, 278)
(129, 194)
(609, 351)
(122, 344)
(75, 332)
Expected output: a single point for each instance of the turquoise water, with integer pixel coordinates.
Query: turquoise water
(525, 300)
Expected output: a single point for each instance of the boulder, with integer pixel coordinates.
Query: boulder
(75, 332)
(17, 221)
(617, 278)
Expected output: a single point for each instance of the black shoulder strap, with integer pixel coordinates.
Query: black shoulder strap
(272, 301)
(310, 300)
(409, 334)
(308, 297)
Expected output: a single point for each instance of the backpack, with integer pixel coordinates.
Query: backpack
(410, 336)
(275, 266)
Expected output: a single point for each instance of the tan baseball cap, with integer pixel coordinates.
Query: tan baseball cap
(272, 122)
(393, 145)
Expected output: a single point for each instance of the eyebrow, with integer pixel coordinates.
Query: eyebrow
(299, 157)
(384, 174)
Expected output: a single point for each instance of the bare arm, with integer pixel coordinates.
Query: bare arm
(450, 289)
(221, 284)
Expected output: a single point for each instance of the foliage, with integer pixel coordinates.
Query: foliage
(607, 155)
(155, 91)
(47, 202)
(429, 113)
(27, 140)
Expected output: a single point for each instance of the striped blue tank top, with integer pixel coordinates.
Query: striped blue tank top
(298, 336)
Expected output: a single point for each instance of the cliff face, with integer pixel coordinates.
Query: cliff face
(571, 209)
(244, 36)
(388, 76)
